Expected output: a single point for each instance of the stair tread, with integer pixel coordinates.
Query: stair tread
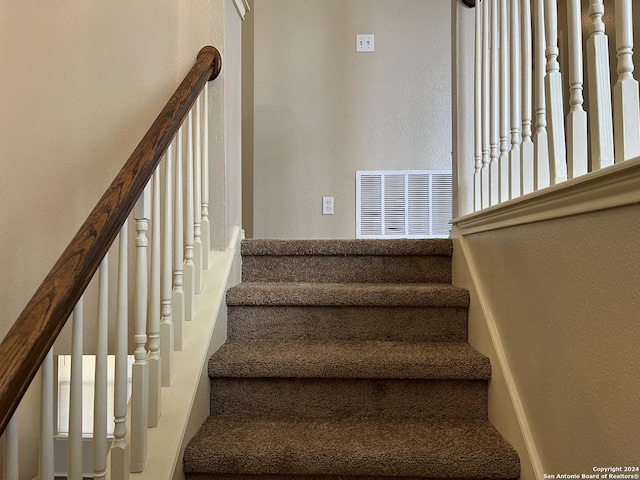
(348, 294)
(349, 359)
(393, 247)
(430, 448)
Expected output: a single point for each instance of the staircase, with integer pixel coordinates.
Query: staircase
(348, 359)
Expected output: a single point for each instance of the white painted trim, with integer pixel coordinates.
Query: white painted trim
(611, 187)
(523, 423)
(165, 446)
(242, 6)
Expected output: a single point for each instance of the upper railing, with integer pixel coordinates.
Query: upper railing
(163, 291)
(532, 123)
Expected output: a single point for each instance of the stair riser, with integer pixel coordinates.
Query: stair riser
(206, 476)
(321, 398)
(415, 324)
(339, 269)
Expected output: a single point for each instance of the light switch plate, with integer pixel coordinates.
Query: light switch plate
(365, 42)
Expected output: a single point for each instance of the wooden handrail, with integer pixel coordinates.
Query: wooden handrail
(33, 334)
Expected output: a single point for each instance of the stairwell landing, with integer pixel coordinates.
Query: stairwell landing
(348, 359)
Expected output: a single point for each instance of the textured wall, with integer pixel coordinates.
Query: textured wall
(322, 111)
(82, 81)
(564, 294)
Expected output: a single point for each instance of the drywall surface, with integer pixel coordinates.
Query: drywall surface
(323, 111)
(565, 298)
(81, 84)
(502, 411)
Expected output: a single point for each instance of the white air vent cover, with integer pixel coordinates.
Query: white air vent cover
(403, 204)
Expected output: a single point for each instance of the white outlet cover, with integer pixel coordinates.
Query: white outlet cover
(365, 42)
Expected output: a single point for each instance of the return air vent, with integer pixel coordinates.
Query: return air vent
(403, 204)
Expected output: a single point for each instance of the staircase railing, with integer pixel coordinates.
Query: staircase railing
(173, 153)
(533, 124)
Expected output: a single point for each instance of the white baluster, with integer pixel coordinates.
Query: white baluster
(557, 146)
(540, 140)
(177, 298)
(486, 105)
(197, 199)
(503, 163)
(527, 174)
(477, 113)
(494, 166)
(11, 451)
(140, 380)
(100, 385)
(46, 420)
(515, 156)
(206, 225)
(600, 115)
(153, 319)
(74, 454)
(626, 102)
(166, 325)
(120, 453)
(577, 151)
(189, 267)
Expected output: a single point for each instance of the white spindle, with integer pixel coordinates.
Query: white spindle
(100, 385)
(140, 380)
(74, 454)
(540, 140)
(189, 267)
(197, 198)
(626, 102)
(515, 154)
(177, 297)
(166, 325)
(600, 116)
(47, 429)
(504, 104)
(477, 113)
(494, 166)
(153, 319)
(527, 174)
(486, 103)
(577, 152)
(120, 453)
(11, 452)
(555, 105)
(206, 225)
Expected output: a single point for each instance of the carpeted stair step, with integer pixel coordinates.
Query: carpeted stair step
(347, 261)
(348, 360)
(348, 294)
(410, 323)
(363, 359)
(339, 311)
(365, 379)
(335, 448)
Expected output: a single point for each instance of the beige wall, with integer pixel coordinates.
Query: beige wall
(81, 84)
(322, 111)
(565, 299)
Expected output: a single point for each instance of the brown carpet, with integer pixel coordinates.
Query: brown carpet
(347, 359)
